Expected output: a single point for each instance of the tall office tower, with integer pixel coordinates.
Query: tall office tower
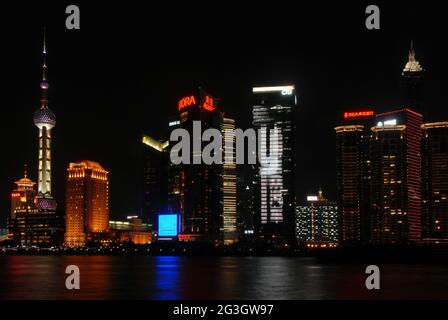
(45, 120)
(353, 176)
(155, 179)
(229, 212)
(201, 183)
(175, 178)
(87, 202)
(317, 222)
(435, 182)
(411, 83)
(396, 178)
(273, 117)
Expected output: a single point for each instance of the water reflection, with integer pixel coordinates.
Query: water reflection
(170, 277)
(167, 278)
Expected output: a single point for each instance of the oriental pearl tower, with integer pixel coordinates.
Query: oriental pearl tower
(45, 120)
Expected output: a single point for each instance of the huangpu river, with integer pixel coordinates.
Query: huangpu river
(188, 277)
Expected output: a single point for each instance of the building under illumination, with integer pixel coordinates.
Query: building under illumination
(201, 185)
(396, 177)
(229, 204)
(317, 222)
(353, 168)
(87, 202)
(132, 230)
(23, 203)
(274, 108)
(435, 182)
(155, 178)
(23, 198)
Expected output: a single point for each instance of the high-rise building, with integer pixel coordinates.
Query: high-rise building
(201, 183)
(87, 202)
(155, 178)
(354, 176)
(162, 180)
(435, 182)
(396, 177)
(317, 222)
(229, 202)
(273, 117)
(411, 83)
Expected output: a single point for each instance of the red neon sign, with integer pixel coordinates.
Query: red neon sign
(208, 104)
(358, 114)
(186, 102)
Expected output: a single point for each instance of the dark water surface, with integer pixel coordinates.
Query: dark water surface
(172, 277)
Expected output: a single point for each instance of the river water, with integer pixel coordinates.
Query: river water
(175, 277)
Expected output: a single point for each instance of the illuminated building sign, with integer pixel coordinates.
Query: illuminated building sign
(285, 90)
(358, 114)
(311, 198)
(168, 225)
(186, 102)
(392, 122)
(208, 103)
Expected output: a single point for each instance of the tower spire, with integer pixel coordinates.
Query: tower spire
(45, 120)
(44, 82)
(412, 65)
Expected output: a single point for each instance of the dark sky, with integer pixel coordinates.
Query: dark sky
(122, 74)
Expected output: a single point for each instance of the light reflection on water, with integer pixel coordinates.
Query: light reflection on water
(172, 277)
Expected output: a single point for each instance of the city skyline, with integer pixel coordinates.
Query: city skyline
(99, 140)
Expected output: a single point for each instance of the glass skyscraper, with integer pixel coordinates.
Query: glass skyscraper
(273, 118)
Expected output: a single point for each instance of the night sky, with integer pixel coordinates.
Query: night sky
(122, 73)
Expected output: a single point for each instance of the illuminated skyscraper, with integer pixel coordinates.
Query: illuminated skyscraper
(45, 120)
(353, 167)
(317, 222)
(201, 183)
(273, 111)
(435, 182)
(155, 178)
(396, 177)
(229, 214)
(87, 202)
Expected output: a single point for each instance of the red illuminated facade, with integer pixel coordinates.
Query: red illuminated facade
(396, 177)
(435, 182)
